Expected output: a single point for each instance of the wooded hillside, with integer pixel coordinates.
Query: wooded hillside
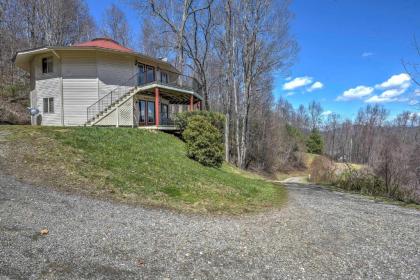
(26, 24)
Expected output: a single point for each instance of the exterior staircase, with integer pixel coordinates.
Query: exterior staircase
(105, 107)
(108, 104)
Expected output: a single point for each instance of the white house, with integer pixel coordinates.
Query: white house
(101, 83)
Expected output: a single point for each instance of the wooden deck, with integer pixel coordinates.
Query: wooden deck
(160, 127)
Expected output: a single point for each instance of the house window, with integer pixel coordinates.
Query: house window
(164, 112)
(150, 74)
(142, 71)
(150, 112)
(146, 73)
(142, 105)
(164, 77)
(48, 105)
(47, 65)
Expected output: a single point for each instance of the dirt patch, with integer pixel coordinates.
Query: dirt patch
(3, 143)
(23, 158)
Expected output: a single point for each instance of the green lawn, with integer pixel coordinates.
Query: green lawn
(142, 166)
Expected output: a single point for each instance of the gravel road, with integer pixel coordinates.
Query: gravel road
(318, 235)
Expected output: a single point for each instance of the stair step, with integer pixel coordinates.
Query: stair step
(113, 104)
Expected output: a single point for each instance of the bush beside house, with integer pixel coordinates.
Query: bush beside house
(204, 142)
(216, 119)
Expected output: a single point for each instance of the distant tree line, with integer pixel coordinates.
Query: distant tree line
(390, 147)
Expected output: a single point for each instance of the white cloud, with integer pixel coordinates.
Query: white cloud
(326, 113)
(297, 83)
(398, 87)
(401, 81)
(315, 86)
(367, 54)
(417, 92)
(356, 93)
(392, 92)
(392, 89)
(290, 93)
(413, 102)
(379, 99)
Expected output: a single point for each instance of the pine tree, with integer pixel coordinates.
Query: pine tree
(315, 143)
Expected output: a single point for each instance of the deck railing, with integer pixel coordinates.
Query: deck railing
(111, 98)
(179, 82)
(182, 82)
(166, 121)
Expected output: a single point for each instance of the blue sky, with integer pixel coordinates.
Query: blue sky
(348, 44)
(351, 49)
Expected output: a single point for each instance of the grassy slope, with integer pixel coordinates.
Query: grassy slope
(144, 166)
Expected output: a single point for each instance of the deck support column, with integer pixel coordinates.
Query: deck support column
(157, 113)
(191, 107)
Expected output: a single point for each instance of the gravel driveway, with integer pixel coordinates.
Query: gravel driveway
(318, 235)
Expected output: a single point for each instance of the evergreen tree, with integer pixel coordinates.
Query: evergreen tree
(314, 143)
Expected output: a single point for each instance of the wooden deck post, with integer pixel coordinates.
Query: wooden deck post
(191, 103)
(157, 113)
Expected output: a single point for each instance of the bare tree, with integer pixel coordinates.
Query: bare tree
(152, 42)
(29, 24)
(198, 41)
(265, 46)
(315, 111)
(331, 134)
(115, 26)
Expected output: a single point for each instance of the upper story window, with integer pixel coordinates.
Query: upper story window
(164, 77)
(48, 105)
(146, 73)
(47, 65)
(150, 74)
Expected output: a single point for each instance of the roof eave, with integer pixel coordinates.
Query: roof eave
(34, 51)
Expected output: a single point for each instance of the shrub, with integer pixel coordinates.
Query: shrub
(204, 142)
(216, 119)
(364, 181)
(314, 143)
(322, 170)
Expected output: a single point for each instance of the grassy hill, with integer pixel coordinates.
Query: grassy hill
(133, 165)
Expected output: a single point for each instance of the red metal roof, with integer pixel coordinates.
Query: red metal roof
(105, 43)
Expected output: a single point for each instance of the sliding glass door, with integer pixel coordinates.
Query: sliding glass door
(147, 112)
(150, 112)
(142, 107)
(164, 113)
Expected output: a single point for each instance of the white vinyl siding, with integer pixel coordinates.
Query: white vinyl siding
(47, 85)
(49, 88)
(80, 85)
(78, 95)
(115, 71)
(32, 94)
